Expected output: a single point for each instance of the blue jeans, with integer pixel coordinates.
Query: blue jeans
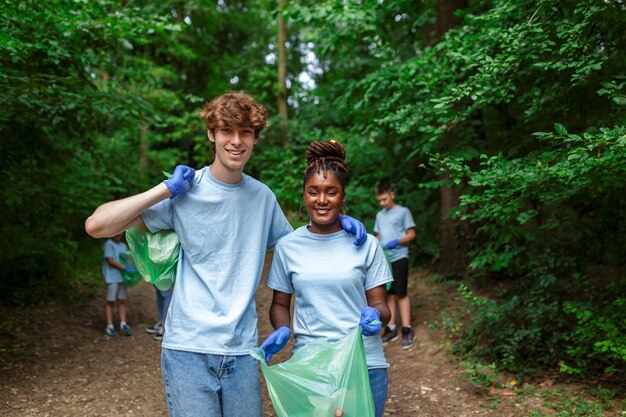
(199, 384)
(163, 299)
(378, 382)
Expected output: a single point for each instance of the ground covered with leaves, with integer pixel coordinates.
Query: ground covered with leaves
(55, 361)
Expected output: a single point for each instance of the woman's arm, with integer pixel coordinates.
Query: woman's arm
(280, 315)
(377, 298)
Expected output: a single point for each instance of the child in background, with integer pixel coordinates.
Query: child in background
(395, 229)
(116, 289)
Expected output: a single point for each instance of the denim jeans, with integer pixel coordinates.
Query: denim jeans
(199, 384)
(163, 299)
(378, 383)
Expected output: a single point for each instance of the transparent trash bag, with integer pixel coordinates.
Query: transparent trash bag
(155, 255)
(130, 278)
(321, 379)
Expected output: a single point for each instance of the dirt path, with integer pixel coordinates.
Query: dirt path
(59, 364)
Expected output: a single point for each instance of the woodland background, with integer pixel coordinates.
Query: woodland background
(501, 124)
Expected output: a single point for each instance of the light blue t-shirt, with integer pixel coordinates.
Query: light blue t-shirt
(329, 276)
(112, 250)
(392, 224)
(224, 231)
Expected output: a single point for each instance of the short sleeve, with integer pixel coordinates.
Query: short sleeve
(408, 219)
(160, 216)
(279, 226)
(278, 279)
(377, 268)
(109, 249)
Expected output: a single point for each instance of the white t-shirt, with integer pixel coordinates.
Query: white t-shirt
(392, 224)
(224, 231)
(329, 276)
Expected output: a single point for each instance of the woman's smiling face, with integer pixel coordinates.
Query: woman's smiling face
(324, 199)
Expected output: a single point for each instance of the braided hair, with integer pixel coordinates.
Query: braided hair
(324, 156)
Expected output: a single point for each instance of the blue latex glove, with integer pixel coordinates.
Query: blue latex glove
(275, 342)
(180, 180)
(352, 225)
(370, 321)
(129, 268)
(392, 244)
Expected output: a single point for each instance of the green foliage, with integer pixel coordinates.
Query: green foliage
(567, 405)
(530, 206)
(598, 337)
(479, 375)
(538, 219)
(513, 332)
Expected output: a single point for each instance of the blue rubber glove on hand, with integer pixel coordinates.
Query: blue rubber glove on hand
(370, 321)
(352, 225)
(180, 180)
(392, 244)
(275, 342)
(129, 268)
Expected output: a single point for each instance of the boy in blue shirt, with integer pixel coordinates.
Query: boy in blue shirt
(116, 289)
(225, 220)
(395, 229)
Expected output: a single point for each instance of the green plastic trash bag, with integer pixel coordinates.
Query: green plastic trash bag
(388, 257)
(321, 379)
(130, 278)
(155, 255)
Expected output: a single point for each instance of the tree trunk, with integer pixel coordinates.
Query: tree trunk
(451, 250)
(282, 73)
(452, 253)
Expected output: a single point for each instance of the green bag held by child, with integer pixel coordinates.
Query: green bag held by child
(131, 278)
(388, 257)
(155, 255)
(321, 379)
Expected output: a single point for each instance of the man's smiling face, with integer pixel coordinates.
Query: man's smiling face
(233, 148)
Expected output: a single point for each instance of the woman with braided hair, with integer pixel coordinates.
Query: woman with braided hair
(337, 285)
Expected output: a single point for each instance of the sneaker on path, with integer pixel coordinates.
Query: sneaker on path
(154, 329)
(408, 338)
(159, 335)
(125, 330)
(389, 335)
(110, 333)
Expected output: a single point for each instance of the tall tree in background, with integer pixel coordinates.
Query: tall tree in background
(282, 72)
(452, 248)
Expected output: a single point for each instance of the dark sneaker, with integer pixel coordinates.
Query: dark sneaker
(159, 335)
(389, 335)
(110, 333)
(154, 329)
(408, 338)
(125, 330)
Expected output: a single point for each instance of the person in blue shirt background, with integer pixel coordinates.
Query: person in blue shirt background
(395, 229)
(116, 289)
